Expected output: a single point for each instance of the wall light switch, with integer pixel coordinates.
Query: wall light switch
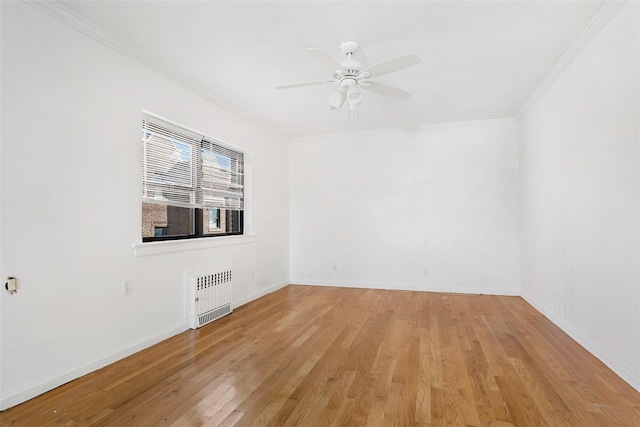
(127, 287)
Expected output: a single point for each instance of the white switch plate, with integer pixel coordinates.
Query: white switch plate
(127, 287)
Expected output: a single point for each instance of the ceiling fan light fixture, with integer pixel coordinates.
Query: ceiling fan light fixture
(354, 95)
(336, 99)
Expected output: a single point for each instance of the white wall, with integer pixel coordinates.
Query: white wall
(383, 206)
(580, 186)
(380, 206)
(71, 205)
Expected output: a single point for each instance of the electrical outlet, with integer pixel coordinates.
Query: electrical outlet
(335, 268)
(127, 287)
(426, 272)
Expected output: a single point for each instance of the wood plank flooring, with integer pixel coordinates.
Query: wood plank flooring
(320, 356)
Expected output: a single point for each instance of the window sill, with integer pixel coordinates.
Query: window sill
(171, 246)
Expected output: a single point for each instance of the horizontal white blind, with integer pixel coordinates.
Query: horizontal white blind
(180, 168)
(222, 177)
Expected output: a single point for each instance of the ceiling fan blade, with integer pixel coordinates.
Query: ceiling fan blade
(325, 59)
(391, 66)
(317, 82)
(385, 90)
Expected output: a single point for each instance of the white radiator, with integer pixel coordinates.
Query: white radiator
(209, 294)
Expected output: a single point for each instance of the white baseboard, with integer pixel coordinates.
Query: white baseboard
(405, 287)
(50, 382)
(261, 293)
(616, 365)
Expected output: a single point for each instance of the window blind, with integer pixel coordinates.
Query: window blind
(222, 182)
(182, 168)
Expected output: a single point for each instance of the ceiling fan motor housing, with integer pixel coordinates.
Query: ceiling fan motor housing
(351, 65)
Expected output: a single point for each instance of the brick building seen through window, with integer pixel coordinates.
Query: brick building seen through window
(160, 220)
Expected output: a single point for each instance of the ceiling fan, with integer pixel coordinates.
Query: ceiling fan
(351, 76)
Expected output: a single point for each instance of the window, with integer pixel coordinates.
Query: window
(214, 218)
(192, 186)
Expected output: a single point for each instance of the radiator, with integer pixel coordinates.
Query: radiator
(209, 293)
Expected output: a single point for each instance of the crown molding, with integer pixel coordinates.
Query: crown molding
(92, 30)
(99, 34)
(599, 21)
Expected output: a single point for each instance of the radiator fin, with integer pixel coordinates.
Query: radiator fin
(212, 315)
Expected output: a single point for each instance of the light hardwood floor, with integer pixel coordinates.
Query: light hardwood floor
(337, 356)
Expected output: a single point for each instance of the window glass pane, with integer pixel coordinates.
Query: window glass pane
(221, 221)
(213, 221)
(213, 218)
(163, 220)
(234, 221)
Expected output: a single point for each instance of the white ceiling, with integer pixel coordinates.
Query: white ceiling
(477, 56)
